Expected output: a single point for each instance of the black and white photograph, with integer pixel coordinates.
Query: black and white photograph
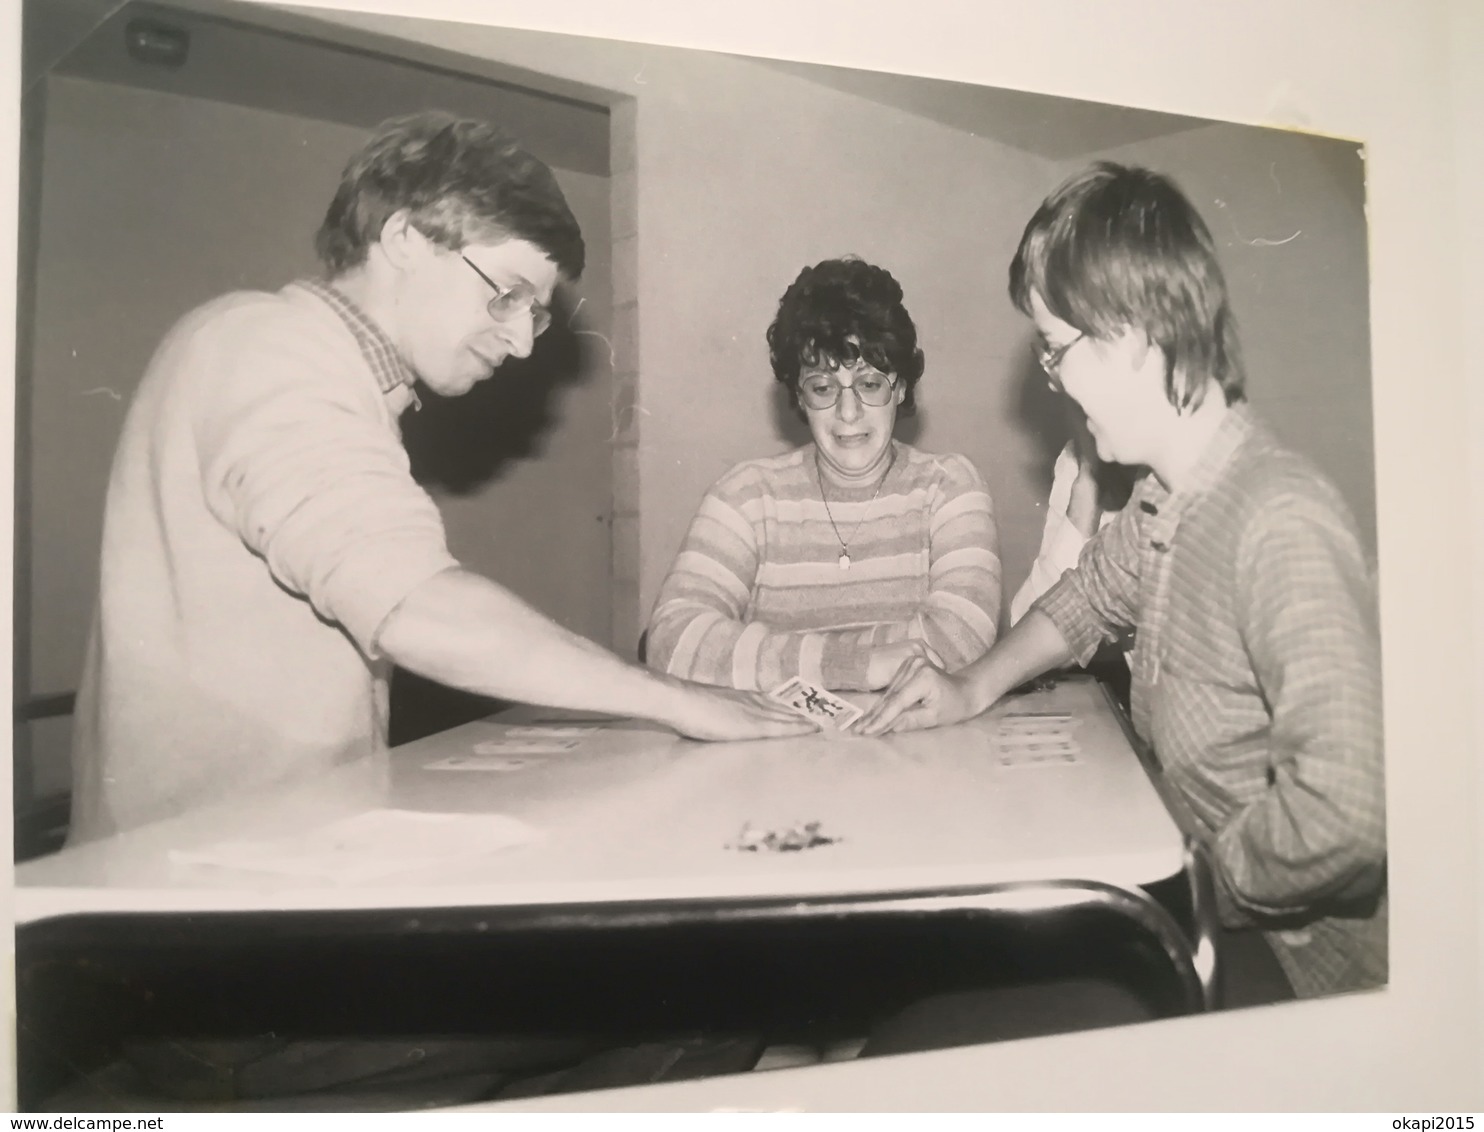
(551, 568)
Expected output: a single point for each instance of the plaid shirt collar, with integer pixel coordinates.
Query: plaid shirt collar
(385, 361)
(1236, 428)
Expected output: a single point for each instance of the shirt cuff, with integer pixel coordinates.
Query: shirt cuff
(1073, 617)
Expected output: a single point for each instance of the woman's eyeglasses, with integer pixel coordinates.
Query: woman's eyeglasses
(822, 390)
(513, 301)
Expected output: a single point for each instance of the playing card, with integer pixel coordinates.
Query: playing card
(568, 719)
(1036, 735)
(1043, 752)
(1031, 738)
(1036, 721)
(479, 762)
(549, 732)
(816, 703)
(519, 746)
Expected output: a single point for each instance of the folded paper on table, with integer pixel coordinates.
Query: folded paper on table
(367, 846)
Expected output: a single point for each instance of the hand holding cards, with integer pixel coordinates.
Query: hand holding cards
(813, 702)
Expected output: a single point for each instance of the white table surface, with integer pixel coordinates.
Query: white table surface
(638, 814)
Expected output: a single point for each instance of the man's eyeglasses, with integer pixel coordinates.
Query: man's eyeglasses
(1051, 360)
(822, 390)
(512, 301)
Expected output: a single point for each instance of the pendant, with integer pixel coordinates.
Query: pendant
(844, 561)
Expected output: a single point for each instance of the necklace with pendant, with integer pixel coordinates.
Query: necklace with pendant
(844, 542)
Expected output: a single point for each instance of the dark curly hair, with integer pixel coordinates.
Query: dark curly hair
(461, 181)
(837, 300)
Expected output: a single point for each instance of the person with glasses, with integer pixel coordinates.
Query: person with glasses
(838, 561)
(1237, 565)
(267, 556)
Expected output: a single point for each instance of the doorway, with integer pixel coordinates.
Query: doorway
(171, 155)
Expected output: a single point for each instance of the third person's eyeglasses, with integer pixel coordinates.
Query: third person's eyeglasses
(1051, 359)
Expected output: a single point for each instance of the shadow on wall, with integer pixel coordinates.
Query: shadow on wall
(1040, 412)
(460, 444)
(1052, 418)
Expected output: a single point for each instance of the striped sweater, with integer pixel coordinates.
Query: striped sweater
(756, 594)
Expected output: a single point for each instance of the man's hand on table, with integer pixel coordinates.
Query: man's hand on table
(722, 714)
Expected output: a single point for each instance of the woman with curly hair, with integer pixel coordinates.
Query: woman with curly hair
(840, 560)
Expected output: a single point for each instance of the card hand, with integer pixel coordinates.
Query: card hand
(920, 695)
(724, 714)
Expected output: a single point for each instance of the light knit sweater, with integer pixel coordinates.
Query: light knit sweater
(757, 595)
(261, 524)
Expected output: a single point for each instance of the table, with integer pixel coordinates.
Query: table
(635, 826)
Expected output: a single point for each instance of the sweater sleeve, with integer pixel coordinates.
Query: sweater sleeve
(700, 629)
(299, 459)
(960, 616)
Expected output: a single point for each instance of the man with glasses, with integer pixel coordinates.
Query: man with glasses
(267, 556)
(840, 560)
(1237, 565)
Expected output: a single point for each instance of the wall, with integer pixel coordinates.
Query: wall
(743, 176)
(746, 176)
(121, 258)
(542, 492)
(1287, 211)
(736, 174)
(744, 173)
(709, 120)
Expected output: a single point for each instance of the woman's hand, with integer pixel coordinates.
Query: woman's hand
(887, 660)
